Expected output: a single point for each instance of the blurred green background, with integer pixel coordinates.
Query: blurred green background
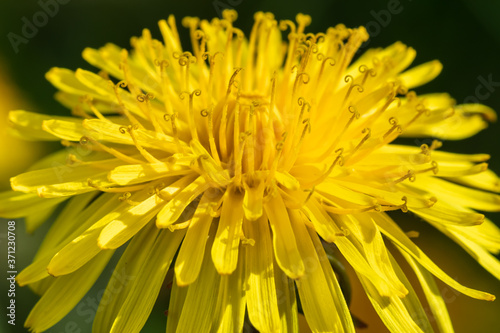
(464, 35)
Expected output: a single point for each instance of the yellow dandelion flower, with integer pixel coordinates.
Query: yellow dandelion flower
(244, 166)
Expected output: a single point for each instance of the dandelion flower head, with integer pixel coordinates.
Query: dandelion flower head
(243, 167)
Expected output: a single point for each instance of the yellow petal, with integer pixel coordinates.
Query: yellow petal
(95, 211)
(231, 300)
(120, 283)
(140, 173)
(106, 58)
(320, 219)
(108, 131)
(146, 286)
(198, 312)
(32, 222)
(66, 130)
(411, 301)
(28, 125)
(333, 284)
(133, 216)
(287, 303)
(218, 174)
(178, 205)
(486, 180)
(175, 305)
(466, 121)
(74, 179)
(84, 247)
(432, 294)
(252, 202)
(395, 317)
(446, 215)
(486, 234)
(460, 195)
(226, 245)
(366, 231)
(398, 237)
(15, 204)
(284, 243)
(71, 101)
(421, 74)
(479, 253)
(313, 288)
(65, 293)
(191, 253)
(287, 180)
(351, 250)
(65, 80)
(262, 301)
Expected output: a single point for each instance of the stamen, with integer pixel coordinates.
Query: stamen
(73, 160)
(157, 190)
(304, 79)
(436, 144)
(363, 69)
(91, 183)
(304, 106)
(279, 149)
(410, 176)
(213, 148)
(236, 143)
(331, 207)
(324, 60)
(85, 140)
(223, 121)
(88, 100)
(266, 155)
(238, 168)
(126, 197)
(78, 111)
(239, 47)
(434, 168)
(421, 109)
(126, 73)
(403, 207)
(394, 122)
(185, 59)
(368, 132)
(192, 122)
(250, 127)
(145, 99)
(425, 150)
(130, 129)
(192, 24)
(171, 118)
(339, 160)
(359, 88)
(355, 115)
(123, 108)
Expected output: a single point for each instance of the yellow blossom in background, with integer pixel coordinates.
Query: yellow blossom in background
(15, 154)
(244, 165)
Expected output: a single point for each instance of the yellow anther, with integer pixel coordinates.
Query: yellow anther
(410, 176)
(126, 198)
(145, 97)
(395, 126)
